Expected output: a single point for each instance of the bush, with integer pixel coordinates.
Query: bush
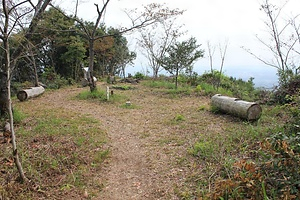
(230, 86)
(139, 76)
(53, 80)
(284, 92)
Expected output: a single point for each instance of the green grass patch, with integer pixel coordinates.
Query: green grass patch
(59, 150)
(179, 91)
(101, 96)
(178, 118)
(18, 116)
(159, 84)
(122, 87)
(204, 107)
(204, 149)
(97, 94)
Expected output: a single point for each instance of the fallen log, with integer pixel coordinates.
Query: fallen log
(247, 110)
(30, 93)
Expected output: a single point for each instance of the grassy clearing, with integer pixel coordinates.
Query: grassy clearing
(60, 150)
(219, 156)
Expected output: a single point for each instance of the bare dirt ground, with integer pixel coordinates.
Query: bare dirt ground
(148, 147)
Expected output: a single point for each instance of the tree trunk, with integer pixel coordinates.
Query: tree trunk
(90, 77)
(9, 108)
(32, 59)
(247, 110)
(176, 79)
(30, 93)
(3, 94)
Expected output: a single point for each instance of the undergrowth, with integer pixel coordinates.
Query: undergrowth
(207, 84)
(266, 158)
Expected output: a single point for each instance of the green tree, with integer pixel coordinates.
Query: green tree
(122, 54)
(54, 34)
(74, 56)
(181, 56)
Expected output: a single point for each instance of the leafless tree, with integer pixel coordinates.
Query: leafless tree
(156, 39)
(211, 51)
(14, 15)
(223, 51)
(283, 41)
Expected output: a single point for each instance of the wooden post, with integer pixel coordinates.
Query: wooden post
(107, 93)
(247, 110)
(30, 93)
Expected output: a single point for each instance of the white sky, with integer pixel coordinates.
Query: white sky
(237, 21)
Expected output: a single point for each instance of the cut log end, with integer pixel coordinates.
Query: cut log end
(254, 112)
(22, 95)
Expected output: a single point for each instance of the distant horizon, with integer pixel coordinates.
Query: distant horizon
(264, 76)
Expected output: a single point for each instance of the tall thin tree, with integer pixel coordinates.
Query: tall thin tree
(14, 14)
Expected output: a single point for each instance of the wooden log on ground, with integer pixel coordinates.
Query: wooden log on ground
(30, 93)
(247, 110)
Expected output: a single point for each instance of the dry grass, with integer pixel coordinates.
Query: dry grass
(171, 146)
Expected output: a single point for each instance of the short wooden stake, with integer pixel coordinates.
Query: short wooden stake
(107, 93)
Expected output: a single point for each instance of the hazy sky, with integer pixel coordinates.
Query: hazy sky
(237, 21)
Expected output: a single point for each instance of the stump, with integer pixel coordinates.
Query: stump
(30, 93)
(247, 110)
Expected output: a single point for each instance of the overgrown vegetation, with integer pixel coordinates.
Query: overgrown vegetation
(271, 168)
(259, 161)
(205, 85)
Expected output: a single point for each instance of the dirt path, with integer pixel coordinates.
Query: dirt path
(144, 147)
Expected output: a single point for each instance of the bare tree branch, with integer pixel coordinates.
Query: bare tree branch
(211, 52)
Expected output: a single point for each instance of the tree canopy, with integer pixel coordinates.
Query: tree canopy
(181, 56)
(59, 45)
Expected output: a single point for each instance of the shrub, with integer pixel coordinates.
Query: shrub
(53, 80)
(139, 76)
(284, 92)
(215, 82)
